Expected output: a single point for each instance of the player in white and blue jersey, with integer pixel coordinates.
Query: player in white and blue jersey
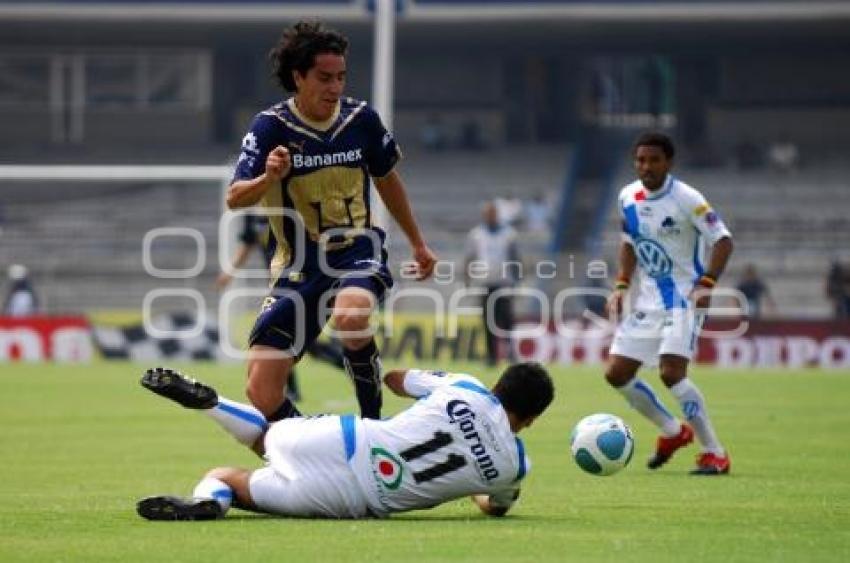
(307, 161)
(458, 439)
(666, 224)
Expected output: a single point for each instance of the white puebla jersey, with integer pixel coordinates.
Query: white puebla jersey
(493, 247)
(666, 229)
(454, 441)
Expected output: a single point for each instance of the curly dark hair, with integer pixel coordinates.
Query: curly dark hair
(655, 139)
(298, 47)
(525, 389)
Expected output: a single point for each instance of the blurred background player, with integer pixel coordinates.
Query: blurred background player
(664, 220)
(838, 290)
(755, 291)
(459, 439)
(255, 234)
(491, 249)
(21, 299)
(312, 155)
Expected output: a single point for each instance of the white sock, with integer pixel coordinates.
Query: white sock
(212, 488)
(693, 407)
(644, 400)
(243, 422)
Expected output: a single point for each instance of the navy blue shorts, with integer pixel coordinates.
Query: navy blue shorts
(298, 307)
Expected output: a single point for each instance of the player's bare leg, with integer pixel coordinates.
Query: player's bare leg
(713, 459)
(621, 370)
(240, 420)
(353, 307)
(622, 375)
(268, 374)
(239, 481)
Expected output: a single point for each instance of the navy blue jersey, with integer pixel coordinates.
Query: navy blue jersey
(328, 183)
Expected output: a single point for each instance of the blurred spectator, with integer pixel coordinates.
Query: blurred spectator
(21, 299)
(491, 246)
(596, 303)
(838, 290)
(755, 291)
(508, 210)
(537, 214)
(784, 156)
(254, 234)
(432, 136)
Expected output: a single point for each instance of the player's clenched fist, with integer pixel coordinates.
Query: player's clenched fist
(278, 163)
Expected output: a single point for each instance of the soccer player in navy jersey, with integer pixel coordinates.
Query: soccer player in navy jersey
(255, 234)
(308, 161)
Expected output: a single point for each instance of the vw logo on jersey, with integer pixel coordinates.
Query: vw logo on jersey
(653, 258)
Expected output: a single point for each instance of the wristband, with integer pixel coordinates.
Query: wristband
(621, 284)
(707, 280)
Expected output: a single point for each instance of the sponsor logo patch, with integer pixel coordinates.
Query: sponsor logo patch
(387, 468)
(328, 159)
(653, 258)
(249, 143)
(669, 227)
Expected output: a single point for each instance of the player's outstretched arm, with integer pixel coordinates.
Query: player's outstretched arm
(495, 505)
(395, 381)
(392, 192)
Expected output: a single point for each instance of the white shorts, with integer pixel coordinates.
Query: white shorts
(646, 335)
(307, 473)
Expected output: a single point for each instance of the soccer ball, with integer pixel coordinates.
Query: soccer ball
(602, 444)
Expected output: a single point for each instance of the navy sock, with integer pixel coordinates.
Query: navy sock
(287, 409)
(364, 368)
(329, 352)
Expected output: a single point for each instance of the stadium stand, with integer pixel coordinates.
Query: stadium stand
(788, 225)
(83, 243)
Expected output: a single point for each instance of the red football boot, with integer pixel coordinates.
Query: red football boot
(712, 464)
(666, 447)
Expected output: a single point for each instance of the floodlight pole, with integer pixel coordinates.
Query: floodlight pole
(383, 65)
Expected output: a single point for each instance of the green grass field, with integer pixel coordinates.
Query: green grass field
(80, 444)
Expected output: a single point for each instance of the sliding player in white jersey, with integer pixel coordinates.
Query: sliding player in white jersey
(459, 439)
(664, 223)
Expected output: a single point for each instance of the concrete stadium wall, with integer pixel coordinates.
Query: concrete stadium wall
(824, 129)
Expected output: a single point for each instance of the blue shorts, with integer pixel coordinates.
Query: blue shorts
(298, 307)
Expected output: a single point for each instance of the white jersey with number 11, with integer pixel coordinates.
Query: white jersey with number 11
(454, 441)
